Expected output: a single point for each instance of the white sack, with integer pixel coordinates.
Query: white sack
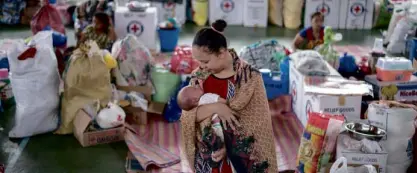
(399, 124)
(397, 39)
(35, 83)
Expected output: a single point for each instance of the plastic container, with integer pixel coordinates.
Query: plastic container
(168, 39)
(165, 84)
(394, 69)
(275, 83)
(412, 49)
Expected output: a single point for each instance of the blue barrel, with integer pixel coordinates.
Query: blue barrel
(168, 39)
(52, 1)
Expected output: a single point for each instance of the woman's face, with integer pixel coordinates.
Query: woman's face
(97, 23)
(317, 22)
(209, 61)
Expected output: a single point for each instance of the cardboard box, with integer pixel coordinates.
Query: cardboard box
(356, 159)
(140, 116)
(141, 24)
(329, 8)
(170, 10)
(229, 10)
(356, 14)
(255, 13)
(82, 121)
(310, 97)
(399, 91)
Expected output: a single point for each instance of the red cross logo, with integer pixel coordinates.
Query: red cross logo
(324, 9)
(135, 28)
(169, 5)
(357, 9)
(227, 6)
(119, 118)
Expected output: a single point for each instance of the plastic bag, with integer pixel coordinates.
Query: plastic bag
(397, 39)
(265, 54)
(182, 61)
(86, 79)
(48, 15)
(318, 141)
(340, 166)
(200, 11)
(172, 111)
(134, 62)
(111, 116)
(35, 82)
(292, 13)
(398, 120)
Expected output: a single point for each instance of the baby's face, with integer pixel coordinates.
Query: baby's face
(196, 92)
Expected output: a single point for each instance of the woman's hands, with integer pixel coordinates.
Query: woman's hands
(218, 155)
(226, 115)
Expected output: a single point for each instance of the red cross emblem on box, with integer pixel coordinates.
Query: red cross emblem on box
(135, 28)
(323, 9)
(227, 6)
(357, 9)
(168, 5)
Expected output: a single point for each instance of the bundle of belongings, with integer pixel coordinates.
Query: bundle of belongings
(35, 81)
(134, 62)
(87, 78)
(264, 54)
(310, 63)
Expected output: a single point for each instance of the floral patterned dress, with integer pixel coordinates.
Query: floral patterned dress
(251, 147)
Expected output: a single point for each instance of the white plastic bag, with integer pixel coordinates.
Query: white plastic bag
(398, 120)
(35, 83)
(397, 39)
(340, 166)
(111, 116)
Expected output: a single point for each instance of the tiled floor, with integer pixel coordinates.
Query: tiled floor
(62, 154)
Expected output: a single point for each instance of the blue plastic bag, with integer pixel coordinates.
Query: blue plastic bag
(4, 63)
(172, 111)
(58, 39)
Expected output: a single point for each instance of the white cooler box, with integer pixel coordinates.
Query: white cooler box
(307, 98)
(141, 24)
(170, 10)
(356, 14)
(255, 13)
(229, 10)
(329, 8)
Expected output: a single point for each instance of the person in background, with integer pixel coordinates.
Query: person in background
(246, 121)
(101, 31)
(312, 36)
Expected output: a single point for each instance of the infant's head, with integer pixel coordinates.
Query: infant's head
(188, 97)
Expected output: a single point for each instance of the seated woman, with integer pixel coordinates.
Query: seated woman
(312, 36)
(246, 121)
(101, 31)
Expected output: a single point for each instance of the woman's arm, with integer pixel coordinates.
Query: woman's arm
(298, 40)
(208, 110)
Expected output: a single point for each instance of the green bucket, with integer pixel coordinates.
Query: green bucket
(165, 84)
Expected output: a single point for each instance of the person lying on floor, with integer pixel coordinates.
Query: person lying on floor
(101, 31)
(312, 36)
(245, 120)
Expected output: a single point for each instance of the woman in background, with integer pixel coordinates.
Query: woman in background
(101, 31)
(310, 37)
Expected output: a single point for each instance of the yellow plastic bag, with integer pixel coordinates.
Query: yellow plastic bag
(87, 79)
(200, 9)
(275, 12)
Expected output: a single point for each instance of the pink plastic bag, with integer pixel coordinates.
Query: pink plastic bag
(47, 15)
(182, 61)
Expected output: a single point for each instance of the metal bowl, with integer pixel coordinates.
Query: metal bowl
(361, 131)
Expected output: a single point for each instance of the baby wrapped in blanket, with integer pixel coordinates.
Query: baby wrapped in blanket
(193, 96)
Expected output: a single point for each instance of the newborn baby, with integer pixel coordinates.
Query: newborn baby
(193, 96)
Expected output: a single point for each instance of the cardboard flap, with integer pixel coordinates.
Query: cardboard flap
(145, 90)
(81, 122)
